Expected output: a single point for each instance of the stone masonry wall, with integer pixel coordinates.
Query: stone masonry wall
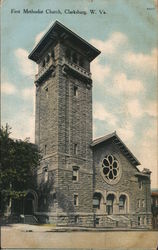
(46, 124)
(127, 184)
(63, 120)
(74, 113)
(75, 127)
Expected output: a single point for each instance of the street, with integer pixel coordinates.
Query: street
(26, 236)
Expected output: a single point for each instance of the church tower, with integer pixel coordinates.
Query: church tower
(63, 126)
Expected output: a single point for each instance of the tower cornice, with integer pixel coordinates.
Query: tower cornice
(57, 32)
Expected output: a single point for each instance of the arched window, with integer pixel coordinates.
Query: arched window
(123, 204)
(110, 203)
(96, 200)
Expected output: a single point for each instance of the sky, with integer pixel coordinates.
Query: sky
(124, 74)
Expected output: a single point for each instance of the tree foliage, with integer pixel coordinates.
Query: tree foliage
(19, 160)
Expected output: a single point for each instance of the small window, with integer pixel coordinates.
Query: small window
(48, 58)
(45, 174)
(54, 196)
(46, 92)
(138, 203)
(143, 203)
(97, 221)
(75, 199)
(45, 149)
(76, 219)
(75, 149)
(75, 175)
(140, 184)
(75, 91)
(138, 221)
(43, 63)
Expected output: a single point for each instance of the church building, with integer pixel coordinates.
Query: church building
(81, 181)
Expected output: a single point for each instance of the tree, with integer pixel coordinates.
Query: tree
(19, 161)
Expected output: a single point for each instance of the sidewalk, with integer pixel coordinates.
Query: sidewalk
(27, 227)
(53, 228)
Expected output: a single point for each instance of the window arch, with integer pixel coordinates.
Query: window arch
(96, 200)
(110, 201)
(123, 203)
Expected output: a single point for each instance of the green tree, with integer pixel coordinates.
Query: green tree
(19, 160)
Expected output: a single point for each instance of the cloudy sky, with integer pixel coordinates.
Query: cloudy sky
(124, 75)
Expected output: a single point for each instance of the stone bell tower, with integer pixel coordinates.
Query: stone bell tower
(63, 126)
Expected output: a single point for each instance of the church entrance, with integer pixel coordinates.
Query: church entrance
(30, 203)
(110, 204)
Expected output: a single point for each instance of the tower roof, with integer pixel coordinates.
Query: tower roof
(59, 31)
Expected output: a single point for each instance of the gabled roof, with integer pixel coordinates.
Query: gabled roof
(116, 139)
(57, 31)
